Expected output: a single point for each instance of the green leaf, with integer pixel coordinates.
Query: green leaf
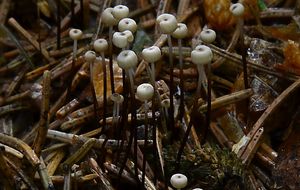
(261, 4)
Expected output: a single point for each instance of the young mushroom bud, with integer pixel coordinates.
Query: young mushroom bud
(178, 181)
(75, 34)
(127, 24)
(90, 56)
(208, 35)
(144, 92)
(108, 18)
(237, 9)
(100, 45)
(167, 23)
(122, 39)
(181, 31)
(120, 11)
(127, 59)
(201, 55)
(151, 55)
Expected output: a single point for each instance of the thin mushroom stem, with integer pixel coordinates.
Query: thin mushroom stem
(171, 111)
(93, 92)
(201, 74)
(153, 73)
(208, 112)
(111, 71)
(181, 106)
(104, 88)
(145, 141)
(74, 54)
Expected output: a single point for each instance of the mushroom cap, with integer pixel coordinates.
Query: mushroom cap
(127, 24)
(208, 35)
(201, 55)
(122, 39)
(127, 59)
(197, 188)
(117, 98)
(167, 23)
(75, 34)
(108, 18)
(151, 54)
(120, 11)
(100, 45)
(237, 9)
(90, 56)
(181, 31)
(178, 181)
(144, 92)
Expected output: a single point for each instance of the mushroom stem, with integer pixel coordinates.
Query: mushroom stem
(104, 88)
(74, 54)
(181, 106)
(201, 78)
(153, 73)
(94, 93)
(208, 112)
(145, 142)
(171, 111)
(111, 71)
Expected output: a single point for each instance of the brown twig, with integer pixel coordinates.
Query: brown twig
(44, 119)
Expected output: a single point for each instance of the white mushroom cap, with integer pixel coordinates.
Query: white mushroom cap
(181, 31)
(201, 55)
(178, 181)
(237, 9)
(127, 59)
(117, 98)
(127, 24)
(167, 23)
(151, 54)
(120, 11)
(197, 189)
(144, 92)
(108, 18)
(90, 56)
(75, 34)
(122, 39)
(165, 103)
(208, 35)
(100, 45)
